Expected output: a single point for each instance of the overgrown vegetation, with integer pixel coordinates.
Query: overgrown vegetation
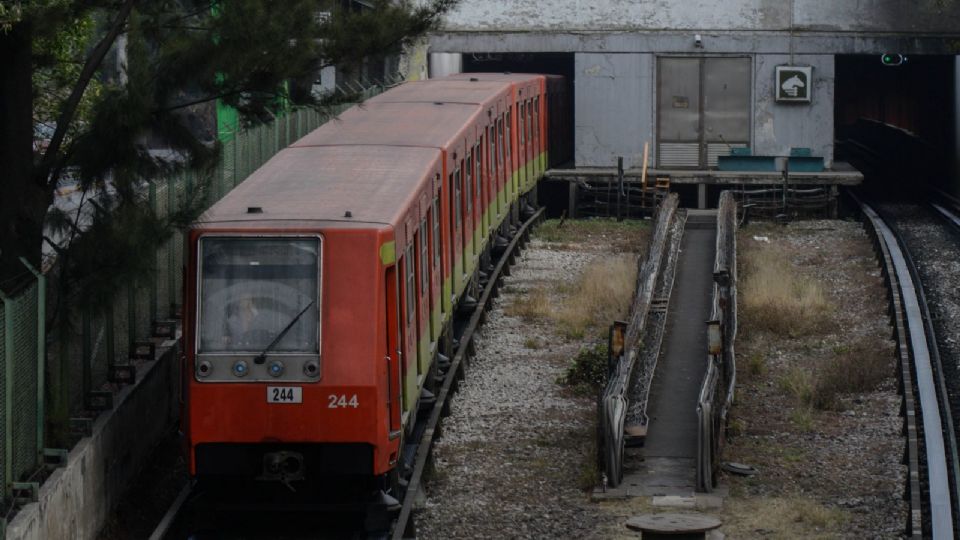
(587, 372)
(775, 297)
(625, 235)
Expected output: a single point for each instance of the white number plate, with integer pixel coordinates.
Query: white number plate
(284, 394)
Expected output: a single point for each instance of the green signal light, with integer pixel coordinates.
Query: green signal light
(892, 59)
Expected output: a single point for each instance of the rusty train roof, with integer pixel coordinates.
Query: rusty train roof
(372, 160)
(313, 184)
(434, 125)
(444, 90)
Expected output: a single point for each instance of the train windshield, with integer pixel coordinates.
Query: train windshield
(253, 288)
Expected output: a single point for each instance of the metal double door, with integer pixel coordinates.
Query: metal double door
(703, 109)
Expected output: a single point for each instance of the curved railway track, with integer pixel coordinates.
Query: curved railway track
(929, 384)
(417, 453)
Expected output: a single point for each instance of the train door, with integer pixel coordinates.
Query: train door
(528, 127)
(395, 404)
(522, 147)
(437, 273)
(423, 299)
(501, 165)
(468, 208)
(537, 140)
(478, 204)
(492, 168)
(408, 325)
(456, 218)
(511, 162)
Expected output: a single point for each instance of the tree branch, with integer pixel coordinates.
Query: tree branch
(70, 106)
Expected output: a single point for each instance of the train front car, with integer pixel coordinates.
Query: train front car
(292, 376)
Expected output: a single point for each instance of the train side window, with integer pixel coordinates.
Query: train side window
(435, 217)
(477, 173)
(457, 198)
(424, 258)
(522, 133)
(529, 121)
(536, 115)
(410, 286)
(491, 138)
(508, 135)
(500, 141)
(469, 185)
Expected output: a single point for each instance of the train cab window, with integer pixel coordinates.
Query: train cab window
(469, 185)
(410, 283)
(253, 288)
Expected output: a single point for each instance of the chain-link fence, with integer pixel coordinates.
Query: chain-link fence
(92, 352)
(21, 384)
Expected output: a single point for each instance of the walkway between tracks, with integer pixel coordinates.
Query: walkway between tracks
(666, 464)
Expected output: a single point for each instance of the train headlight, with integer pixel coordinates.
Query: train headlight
(311, 368)
(204, 369)
(275, 369)
(240, 368)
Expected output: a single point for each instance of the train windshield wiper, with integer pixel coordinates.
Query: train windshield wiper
(262, 357)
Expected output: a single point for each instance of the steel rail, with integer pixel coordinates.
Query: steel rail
(425, 444)
(930, 385)
(160, 532)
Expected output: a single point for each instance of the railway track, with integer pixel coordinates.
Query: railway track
(928, 379)
(417, 453)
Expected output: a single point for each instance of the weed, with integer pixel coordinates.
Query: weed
(531, 306)
(802, 417)
(798, 382)
(736, 427)
(532, 343)
(588, 371)
(856, 367)
(756, 365)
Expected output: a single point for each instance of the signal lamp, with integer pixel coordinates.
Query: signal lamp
(892, 59)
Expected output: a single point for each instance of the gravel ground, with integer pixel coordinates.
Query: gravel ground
(833, 473)
(516, 452)
(517, 447)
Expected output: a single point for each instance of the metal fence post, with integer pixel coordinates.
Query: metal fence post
(153, 278)
(41, 351)
(8, 395)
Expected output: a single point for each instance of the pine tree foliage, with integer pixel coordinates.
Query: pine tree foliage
(88, 125)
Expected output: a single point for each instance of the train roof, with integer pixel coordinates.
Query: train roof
(434, 125)
(497, 76)
(443, 90)
(374, 183)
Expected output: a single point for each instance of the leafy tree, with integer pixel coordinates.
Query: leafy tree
(64, 115)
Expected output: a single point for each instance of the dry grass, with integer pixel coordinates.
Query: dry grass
(791, 517)
(533, 305)
(860, 367)
(600, 295)
(775, 297)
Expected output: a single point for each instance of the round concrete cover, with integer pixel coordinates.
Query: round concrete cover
(673, 523)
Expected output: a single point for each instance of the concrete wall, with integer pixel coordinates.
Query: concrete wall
(614, 108)
(779, 126)
(76, 500)
(927, 16)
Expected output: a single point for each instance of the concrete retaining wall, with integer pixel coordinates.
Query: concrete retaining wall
(76, 500)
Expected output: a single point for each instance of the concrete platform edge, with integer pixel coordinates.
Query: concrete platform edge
(76, 500)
